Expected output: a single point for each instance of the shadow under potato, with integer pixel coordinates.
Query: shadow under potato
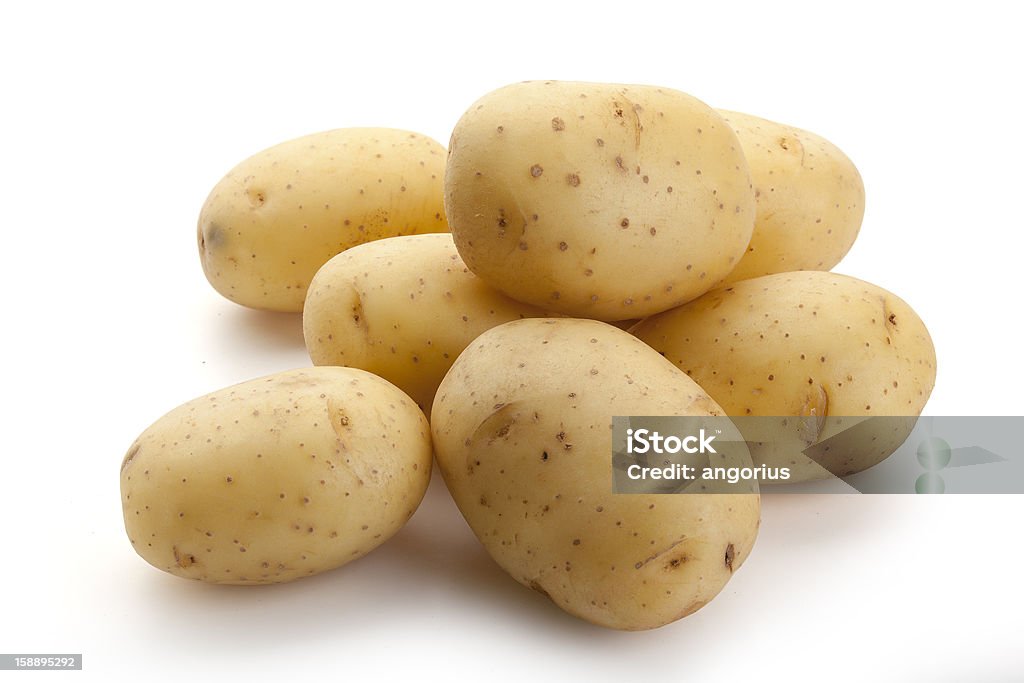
(431, 562)
(241, 325)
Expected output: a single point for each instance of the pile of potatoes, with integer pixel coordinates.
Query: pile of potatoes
(580, 251)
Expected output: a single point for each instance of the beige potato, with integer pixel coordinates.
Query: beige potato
(522, 433)
(276, 478)
(279, 215)
(403, 308)
(810, 198)
(598, 200)
(819, 346)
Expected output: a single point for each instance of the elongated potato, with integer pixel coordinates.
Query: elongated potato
(276, 478)
(818, 346)
(598, 200)
(403, 308)
(810, 198)
(522, 432)
(281, 214)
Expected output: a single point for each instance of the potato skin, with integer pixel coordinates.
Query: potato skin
(403, 308)
(810, 198)
(597, 200)
(276, 478)
(523, 441)
(806, 344)
(279, 215)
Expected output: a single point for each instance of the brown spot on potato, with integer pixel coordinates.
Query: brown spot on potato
(660, 553)
(257, 197)
(730, 555)
(677, 561)
(536, 170)
(183, 560)
(535, 585)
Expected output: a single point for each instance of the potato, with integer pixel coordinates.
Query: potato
(597, 200)
(279, 215)
(276, 478)
(814, 345)
(810, 198)
(521, 427)
(403, 308)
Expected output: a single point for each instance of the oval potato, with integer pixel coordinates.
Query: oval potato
(522, 432)
(279, 215)
(807, 344)
(810, 198)
(276, 478)
(403, 308)
(598, 200)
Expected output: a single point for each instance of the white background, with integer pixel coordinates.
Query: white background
(118, 119)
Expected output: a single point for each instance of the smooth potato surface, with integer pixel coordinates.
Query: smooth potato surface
(810, 198)
(276, 478)
(279, 215)
(522, 432)
(597, 200)
(403, 308)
